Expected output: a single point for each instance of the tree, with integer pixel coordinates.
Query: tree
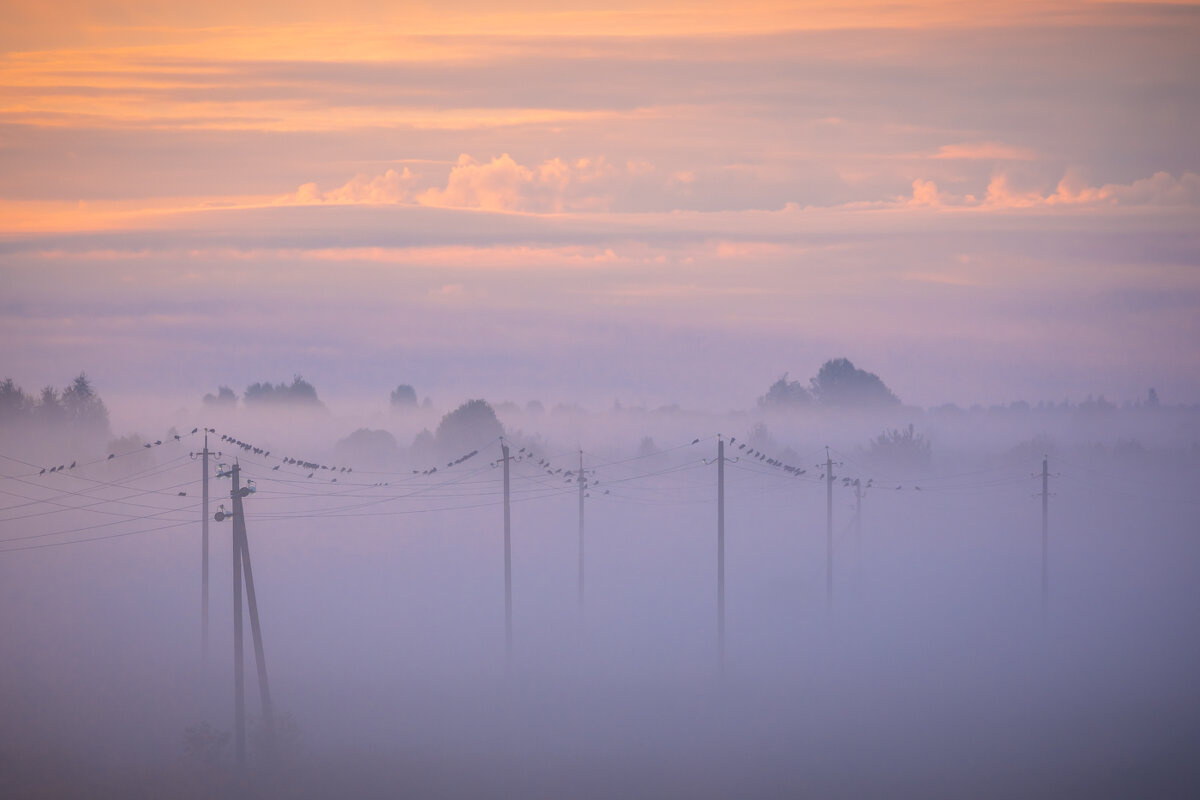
(901, 448)
(468, 427)
(224, 398)
(760, 438)
(298, 393)
(14, 403)
(647, 447)
(404, 396)
(840, 383)
(49, 410)
(83, 408)
(375, 448)
(785, 394)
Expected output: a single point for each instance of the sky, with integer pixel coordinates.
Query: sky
(650, 202)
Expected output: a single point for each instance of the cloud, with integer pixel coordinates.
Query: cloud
(925, 193)
(1002, 193)
(502, 184)
(505, 185)
(985, 151)
(1160, 190)
(390, 187)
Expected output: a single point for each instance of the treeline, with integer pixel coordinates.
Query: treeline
(74, 414)
(299, 393)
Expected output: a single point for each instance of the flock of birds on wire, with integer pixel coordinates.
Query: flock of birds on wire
(313, 468)
(748, 458)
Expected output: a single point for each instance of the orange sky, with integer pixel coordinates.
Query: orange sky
(647, 141)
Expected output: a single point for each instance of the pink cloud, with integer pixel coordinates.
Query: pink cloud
(1159, 190)
(502, 184)
(925, 193)
(985, 151)
(390, 187)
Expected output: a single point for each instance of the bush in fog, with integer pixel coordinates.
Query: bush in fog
(287, 744)
(468, 427)
(1034, 449)
(904, 448)
(205, 747)
(761, 439)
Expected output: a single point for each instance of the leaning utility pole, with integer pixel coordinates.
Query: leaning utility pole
(241, 561)
(264, 688)
(582, 490)
(239, 663)
(721, 550)
(204, 552)
(828, 531)
(507, 560)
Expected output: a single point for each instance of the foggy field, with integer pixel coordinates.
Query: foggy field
(603, 400)
(935, 672)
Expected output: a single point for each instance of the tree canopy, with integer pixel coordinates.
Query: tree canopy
(840, 383)
(298, 393)
(368, 447)
(468, 427)
(901, 448)
(76, 412)
(224, 398)
(404, 396)
(785, 394)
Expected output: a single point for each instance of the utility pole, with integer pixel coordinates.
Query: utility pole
(507, 560)
(1045, 533)
(241, 560)
(858, 495)
(204, 552)
(828, 531)
(721, 550)
(582, 490)
(239, 663)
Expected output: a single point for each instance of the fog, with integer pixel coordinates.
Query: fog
(934, 666)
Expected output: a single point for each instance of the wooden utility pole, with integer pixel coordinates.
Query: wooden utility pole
(242, 570)
(239, 662)
(721, 550)
(260, 659)
(582, 490)
(828, 531)
(204, 552)
(507, 560)
(858, 496)
(1045, 533)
